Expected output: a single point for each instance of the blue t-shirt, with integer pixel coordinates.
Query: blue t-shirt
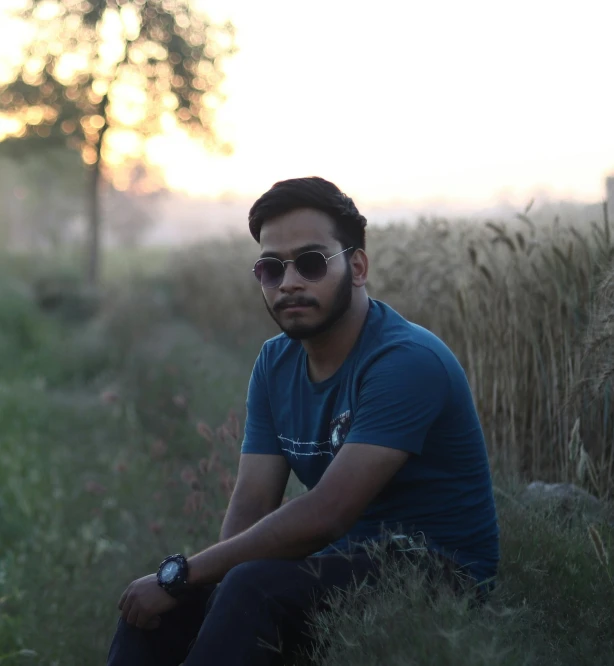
(400, 387)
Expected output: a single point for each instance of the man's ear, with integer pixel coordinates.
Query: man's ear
(359, 264)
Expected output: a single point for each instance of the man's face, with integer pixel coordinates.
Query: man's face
(323, 302)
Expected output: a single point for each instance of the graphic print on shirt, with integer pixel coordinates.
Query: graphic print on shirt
(338, 430)
(296, 448)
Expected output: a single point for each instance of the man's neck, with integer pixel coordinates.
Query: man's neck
(327, 352)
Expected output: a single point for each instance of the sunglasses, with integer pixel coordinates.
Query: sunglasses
(311, 266)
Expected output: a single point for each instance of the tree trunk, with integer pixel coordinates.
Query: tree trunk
(93, 241)
(93, 245)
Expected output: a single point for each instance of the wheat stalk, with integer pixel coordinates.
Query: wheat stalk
(600, 551)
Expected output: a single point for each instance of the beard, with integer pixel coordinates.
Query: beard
(341, 304)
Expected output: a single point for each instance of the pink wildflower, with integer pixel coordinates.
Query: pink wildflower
(195, 501)
(233, 424)
(203, 466)
(121, 467)
(109, 397)
(95, 488)
(222, 433)
(155, 527)
(158, 449)
(188, 475)
(204, 431)
(227, 482)
(214, 463)
(180, 401)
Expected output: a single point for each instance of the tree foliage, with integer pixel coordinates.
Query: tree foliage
(103, 76)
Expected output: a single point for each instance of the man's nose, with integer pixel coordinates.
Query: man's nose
(291, 279)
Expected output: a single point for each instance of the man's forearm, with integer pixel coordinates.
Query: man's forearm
(295, 530)
(238, 519)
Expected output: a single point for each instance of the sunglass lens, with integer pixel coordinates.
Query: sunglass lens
(268, 272)
(311, 265)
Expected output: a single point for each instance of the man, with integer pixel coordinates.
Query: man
(375, 416)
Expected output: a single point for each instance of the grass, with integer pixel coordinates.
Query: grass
(112, 426)
(552, 606)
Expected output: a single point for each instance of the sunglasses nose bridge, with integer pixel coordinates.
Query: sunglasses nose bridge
(290, 275)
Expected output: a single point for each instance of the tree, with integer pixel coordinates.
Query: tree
(128, 216)
(103, 76)
(42, 195)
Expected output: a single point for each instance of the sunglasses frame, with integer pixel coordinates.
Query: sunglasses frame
(293, 261)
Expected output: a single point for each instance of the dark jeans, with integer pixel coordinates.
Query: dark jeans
(255, 617)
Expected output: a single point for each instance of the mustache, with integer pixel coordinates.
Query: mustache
(294, 302)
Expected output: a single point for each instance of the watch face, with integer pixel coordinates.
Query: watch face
(169, 571)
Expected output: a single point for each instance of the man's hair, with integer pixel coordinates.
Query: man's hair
(317, 193)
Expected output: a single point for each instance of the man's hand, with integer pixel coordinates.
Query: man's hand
(143, 601)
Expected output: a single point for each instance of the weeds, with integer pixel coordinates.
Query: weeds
(120, 437)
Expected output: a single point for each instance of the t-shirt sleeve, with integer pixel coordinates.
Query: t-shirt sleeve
(401, 395)
(259, 436)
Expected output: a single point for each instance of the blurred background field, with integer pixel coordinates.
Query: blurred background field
(122, 414)
(134, 136)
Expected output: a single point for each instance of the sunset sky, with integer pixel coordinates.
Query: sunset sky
(462, 102)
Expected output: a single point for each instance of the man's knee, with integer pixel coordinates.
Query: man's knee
(126, 642)
(265, 580)
(251, 574)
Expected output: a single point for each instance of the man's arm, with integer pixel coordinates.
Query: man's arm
(309, 522)
(295, 530)
(259, 490)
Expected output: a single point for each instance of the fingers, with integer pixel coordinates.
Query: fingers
(137, 617)
(133, 615)
(146, 621)
(126, 606)
(124, 596)
(153, 623)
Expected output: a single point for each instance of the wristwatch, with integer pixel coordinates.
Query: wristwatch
(173, 575)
